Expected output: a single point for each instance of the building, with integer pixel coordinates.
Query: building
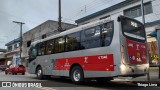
(42, 31)
(3, 50)
(2, 56)
(2, 59)
(12, 50)
(132, 8)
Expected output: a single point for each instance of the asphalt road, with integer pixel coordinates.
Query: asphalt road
(66, 84)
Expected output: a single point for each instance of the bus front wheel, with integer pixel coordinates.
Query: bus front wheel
(39, 73)
(77, 75)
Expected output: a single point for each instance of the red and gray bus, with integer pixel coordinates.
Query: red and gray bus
(102, 49)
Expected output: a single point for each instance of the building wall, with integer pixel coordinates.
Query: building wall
(49, 28)
(149, 18)
(152, 17)
(13, 46)
(2, 59)
(10, 53)
(2, 56)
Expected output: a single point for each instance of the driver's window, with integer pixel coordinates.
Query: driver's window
(32, 54)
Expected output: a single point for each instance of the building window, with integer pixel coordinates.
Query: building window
(15, 46)
(148, 8)
(9, 48)
(28, 43)
(136, 11)
(19, 44)
(43, 36)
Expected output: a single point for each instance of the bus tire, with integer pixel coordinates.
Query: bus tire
(39, 73)
(77, 75)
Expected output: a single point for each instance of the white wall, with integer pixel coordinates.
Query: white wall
(13, 46)
(149, 18)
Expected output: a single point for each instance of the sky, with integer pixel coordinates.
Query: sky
(35, 12)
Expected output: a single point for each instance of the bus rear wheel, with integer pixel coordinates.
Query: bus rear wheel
(39, 73)
(77, 75)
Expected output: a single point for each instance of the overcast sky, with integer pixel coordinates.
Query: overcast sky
(35, 12)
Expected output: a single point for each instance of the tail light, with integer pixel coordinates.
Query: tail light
(122, 54)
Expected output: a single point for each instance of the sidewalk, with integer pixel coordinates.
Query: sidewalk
(154, 72)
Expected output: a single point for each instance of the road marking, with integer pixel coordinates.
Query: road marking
(47, 88)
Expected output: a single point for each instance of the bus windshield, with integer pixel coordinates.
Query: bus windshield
(133, 29)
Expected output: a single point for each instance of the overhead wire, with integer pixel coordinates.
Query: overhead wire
(88, 9)
(110, 14)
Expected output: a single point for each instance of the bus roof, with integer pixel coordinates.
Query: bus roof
(76, 29)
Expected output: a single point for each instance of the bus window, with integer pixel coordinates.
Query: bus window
(73, 42)
(41, 49)
(50, 47)
(59, 45)
(107, 33)
(32, 54)
(133, 30)
(90, 38)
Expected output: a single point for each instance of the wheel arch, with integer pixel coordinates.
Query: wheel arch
(37, 67)
(73, 65)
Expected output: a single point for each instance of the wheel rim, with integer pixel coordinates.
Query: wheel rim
(76, 75)
(39, 73)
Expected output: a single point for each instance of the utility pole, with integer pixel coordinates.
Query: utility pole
(143, 20)
(85, 8)
(20, 23)
(142, 10)
(59, 19)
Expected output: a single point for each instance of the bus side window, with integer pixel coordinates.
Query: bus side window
(50, 47)
(41, 49)
(107, 33)
(59, 44)
(90, 38)
(73, 42)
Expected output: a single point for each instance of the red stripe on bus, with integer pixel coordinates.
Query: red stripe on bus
(89, 63)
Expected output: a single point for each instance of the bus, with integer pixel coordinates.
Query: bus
(98, 50)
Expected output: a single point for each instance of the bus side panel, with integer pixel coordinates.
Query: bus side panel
(101, 63)
(91, 66)
(31, 67)
(115, 47)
